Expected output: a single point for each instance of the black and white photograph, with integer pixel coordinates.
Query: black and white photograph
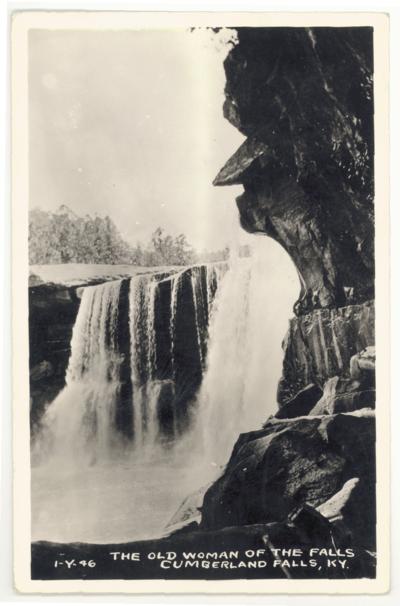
(201, 207)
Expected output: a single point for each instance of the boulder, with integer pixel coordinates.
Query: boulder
(332, 509)
(301, 404)
(362, 364)
(343, 395)
(295, 462)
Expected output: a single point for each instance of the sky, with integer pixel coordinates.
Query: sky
(130, 124)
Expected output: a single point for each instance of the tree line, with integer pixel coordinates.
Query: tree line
(64, 237)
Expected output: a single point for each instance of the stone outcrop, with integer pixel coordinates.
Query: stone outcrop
(295, 462)
(319, 345)
(303, 98)
(362, 364)
(344, 395)
(301, 403)
(52, 313)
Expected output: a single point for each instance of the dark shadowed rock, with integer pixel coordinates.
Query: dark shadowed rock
(301, 404)
(291, 463)
(311, 525)
(303, 98)
(343, 511)
(52, 313)
(305, 528)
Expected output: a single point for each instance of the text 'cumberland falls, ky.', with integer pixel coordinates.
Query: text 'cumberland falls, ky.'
(202, 371)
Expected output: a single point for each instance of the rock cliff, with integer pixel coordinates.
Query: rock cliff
(319, 345)
(52, 313)
(303, 98)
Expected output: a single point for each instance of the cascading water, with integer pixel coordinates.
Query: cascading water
(94, 375)
(166, 370)
(106, 449)
(142, 360)
(244, 360)
(79, 423)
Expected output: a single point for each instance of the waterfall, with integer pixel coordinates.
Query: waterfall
(166, 369)
(105, 455)
(238, 324)
(132, 375)
(197, 296)
(142, 295)
(214, 275)
(244, 359)
(79, 424)
(175, 289)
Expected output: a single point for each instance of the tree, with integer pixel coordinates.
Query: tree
(64, 237)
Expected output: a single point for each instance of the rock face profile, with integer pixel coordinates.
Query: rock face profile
(303, 98)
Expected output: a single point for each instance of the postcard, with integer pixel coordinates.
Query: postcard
(200, 302)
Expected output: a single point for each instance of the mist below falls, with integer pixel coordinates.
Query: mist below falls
(166, 370)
